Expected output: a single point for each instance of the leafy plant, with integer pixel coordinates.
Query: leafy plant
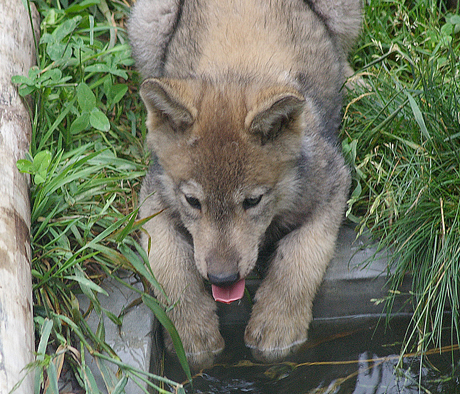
(38, 166)
(86, 159)
(90, 114)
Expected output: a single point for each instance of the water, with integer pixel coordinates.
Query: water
(353, 356)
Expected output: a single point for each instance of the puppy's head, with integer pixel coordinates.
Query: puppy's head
(229, 155)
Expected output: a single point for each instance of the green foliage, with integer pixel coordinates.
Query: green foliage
(90, 114)
(402, 130)
(86, 159)
(38, 166)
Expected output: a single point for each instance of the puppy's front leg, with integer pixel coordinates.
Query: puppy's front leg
(194, 311)
(283, 308)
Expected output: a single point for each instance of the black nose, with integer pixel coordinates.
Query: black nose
(223, 280)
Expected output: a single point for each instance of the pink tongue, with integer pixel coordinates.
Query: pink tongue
(230, 293)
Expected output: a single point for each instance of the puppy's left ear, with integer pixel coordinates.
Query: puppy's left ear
(275, 115)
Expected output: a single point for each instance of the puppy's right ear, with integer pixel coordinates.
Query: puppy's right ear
(168, 101)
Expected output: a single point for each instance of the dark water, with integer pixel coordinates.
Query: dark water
(353, 356)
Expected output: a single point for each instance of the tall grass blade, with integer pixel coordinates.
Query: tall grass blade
(168, 325)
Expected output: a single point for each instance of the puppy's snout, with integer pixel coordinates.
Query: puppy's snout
(223, 267)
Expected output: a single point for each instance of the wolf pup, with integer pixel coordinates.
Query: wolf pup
(243, 101)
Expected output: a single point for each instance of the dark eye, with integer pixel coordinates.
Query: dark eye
(251, 202)
(193, 202)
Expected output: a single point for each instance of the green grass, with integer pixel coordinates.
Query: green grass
(86, 161)
(401, 135)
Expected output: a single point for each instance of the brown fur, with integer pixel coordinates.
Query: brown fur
(243, 105)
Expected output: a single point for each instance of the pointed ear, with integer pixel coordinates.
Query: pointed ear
(168, 101)
(275, 115)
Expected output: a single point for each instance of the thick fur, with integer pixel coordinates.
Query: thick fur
(244, 101)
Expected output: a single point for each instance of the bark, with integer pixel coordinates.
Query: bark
(17, 55)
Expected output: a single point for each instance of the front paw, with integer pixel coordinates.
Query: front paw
(273, 332)
(200, 336)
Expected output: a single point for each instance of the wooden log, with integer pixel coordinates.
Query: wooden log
(17, 55)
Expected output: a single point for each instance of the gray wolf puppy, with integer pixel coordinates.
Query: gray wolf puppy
(243, 101)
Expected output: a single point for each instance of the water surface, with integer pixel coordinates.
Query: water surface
(351, 356)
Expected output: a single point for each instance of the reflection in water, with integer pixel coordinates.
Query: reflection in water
(336, 359)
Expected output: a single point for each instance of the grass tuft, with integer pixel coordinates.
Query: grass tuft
(404, 130)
